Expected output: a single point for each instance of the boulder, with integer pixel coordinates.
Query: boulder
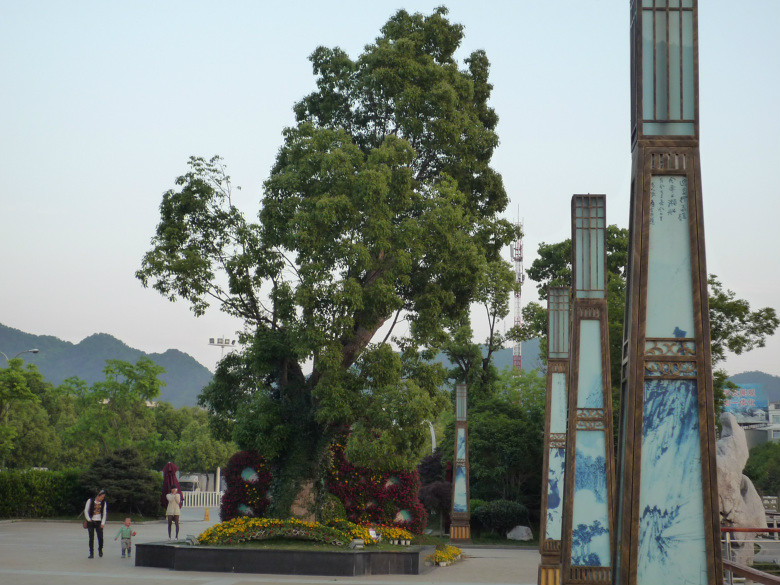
(740, 504)
(520, 533)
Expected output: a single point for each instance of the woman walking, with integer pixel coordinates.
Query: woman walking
(95, 512)
(174, 510)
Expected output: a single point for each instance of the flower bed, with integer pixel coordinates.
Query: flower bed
(241, 530)
(248, 479)
(373, 498)
(444, 555)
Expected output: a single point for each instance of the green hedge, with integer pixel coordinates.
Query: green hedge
(500, 516)
(41, 494)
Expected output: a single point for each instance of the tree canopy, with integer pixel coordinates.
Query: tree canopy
(381, 208)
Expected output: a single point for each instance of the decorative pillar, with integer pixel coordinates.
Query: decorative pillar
(588, 496)
(558, 301)
(667, 519)
(460, 524)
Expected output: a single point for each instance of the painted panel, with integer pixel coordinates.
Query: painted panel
(459, 504)
(558, 403)
(671, 524)
(590, 519)
(461, 454)
(589, 378)
(557, 466)
(669, 288)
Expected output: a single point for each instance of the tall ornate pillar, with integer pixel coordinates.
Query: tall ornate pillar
(588, 497)
(460, 524)
(668, 525)
(558, 301)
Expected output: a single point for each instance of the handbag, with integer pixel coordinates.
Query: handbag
(84, 524)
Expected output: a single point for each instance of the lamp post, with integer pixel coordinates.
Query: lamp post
(7, 359)
(222, 342)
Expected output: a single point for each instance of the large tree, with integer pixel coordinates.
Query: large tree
(381, 208)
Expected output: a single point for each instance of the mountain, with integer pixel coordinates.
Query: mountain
(502, 358)
(58, 360)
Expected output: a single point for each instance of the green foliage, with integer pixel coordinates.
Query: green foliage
(500, 516)
(763, 468)
(381, 207)
(130, 486)
(15, 387)
(734, 326)
(333, 510)
(40, 494)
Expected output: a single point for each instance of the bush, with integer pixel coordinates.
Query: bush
(40, 494)
(500, 516)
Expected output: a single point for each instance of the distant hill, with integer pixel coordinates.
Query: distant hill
(503, 357)
(58, 360)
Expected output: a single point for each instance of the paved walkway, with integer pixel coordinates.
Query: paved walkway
(55, 553)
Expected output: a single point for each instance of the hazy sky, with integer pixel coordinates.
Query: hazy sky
(103, 102)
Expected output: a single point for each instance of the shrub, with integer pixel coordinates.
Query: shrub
(40, 494)
(500, 516)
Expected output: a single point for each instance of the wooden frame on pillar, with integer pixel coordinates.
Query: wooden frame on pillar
(588, 531)
(558, 304)
(460, 524)
(667, 519)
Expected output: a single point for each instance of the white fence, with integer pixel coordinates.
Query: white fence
(202, 499)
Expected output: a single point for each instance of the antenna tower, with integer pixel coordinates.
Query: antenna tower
(517, 257)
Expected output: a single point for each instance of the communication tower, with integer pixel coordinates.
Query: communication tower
(517, 257)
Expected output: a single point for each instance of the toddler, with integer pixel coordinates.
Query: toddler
(127, 534)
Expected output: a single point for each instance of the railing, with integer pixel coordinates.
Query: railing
(732, 568)
(202, 499)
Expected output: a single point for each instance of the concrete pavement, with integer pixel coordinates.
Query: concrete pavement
(55, 553)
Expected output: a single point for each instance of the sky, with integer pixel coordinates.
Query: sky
(104, 102)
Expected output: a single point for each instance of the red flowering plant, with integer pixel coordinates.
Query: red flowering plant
(376, 498)
(248, 480)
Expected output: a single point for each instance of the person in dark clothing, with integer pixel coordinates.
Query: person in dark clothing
(96, 512)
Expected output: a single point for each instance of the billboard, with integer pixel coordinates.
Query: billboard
(747, 403)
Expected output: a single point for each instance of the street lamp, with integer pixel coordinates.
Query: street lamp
(222, 342)
(7, 359)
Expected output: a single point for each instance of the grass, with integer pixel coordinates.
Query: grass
(490, 538)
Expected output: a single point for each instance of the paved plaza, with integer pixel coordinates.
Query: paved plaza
(55, 553)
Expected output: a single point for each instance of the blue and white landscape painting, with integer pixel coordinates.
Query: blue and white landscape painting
(461, 444)
(589, 382)
(669, 285)
(671, 524)
(557, 466)
(459, 503)
(590, 519)
(558, 403)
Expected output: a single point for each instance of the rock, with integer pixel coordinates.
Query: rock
(356, 543)
(520, 533)
(740, 504)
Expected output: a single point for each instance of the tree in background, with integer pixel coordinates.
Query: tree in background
(16, 383)
(382, 207)
(734, 327)
(114, 413)
(130, 486)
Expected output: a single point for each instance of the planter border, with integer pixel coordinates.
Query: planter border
(179, 556)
